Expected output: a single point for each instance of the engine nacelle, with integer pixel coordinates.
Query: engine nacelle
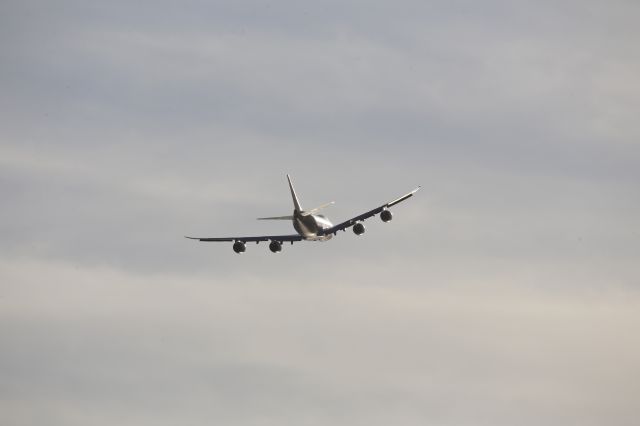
(275, 246)
(239, 247)
(358, 228)
(386, 215)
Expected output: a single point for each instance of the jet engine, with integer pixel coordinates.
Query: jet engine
(386, 215)
(275, 246)
(239, 247)
(358, 228)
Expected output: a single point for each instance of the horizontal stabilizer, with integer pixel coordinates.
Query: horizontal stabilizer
(276, 218)
(317, 209)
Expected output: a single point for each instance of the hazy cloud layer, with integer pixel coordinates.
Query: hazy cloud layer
(506, 292)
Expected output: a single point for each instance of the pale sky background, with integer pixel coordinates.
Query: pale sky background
(507, 292)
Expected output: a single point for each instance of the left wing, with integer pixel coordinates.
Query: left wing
(279, 238)
(348, 223)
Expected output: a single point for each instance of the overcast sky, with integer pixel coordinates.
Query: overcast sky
(506, 292)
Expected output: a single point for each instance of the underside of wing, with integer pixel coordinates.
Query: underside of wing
(239, 243)
(354, 220)
(280, 238)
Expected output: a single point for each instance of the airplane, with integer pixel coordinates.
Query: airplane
(309, 225)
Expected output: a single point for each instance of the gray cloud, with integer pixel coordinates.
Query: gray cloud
(358, 350)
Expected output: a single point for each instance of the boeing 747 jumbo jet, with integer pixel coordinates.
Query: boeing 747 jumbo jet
(309, 225)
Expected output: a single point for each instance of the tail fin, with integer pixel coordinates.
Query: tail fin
(296, 203)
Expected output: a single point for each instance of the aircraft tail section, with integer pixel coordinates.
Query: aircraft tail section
(296, 203)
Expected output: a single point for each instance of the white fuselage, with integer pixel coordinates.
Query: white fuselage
(310, 226)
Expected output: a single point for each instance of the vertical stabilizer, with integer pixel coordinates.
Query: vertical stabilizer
(296, 203)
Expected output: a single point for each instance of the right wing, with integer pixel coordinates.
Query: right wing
(279, 238)
(348, 223)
